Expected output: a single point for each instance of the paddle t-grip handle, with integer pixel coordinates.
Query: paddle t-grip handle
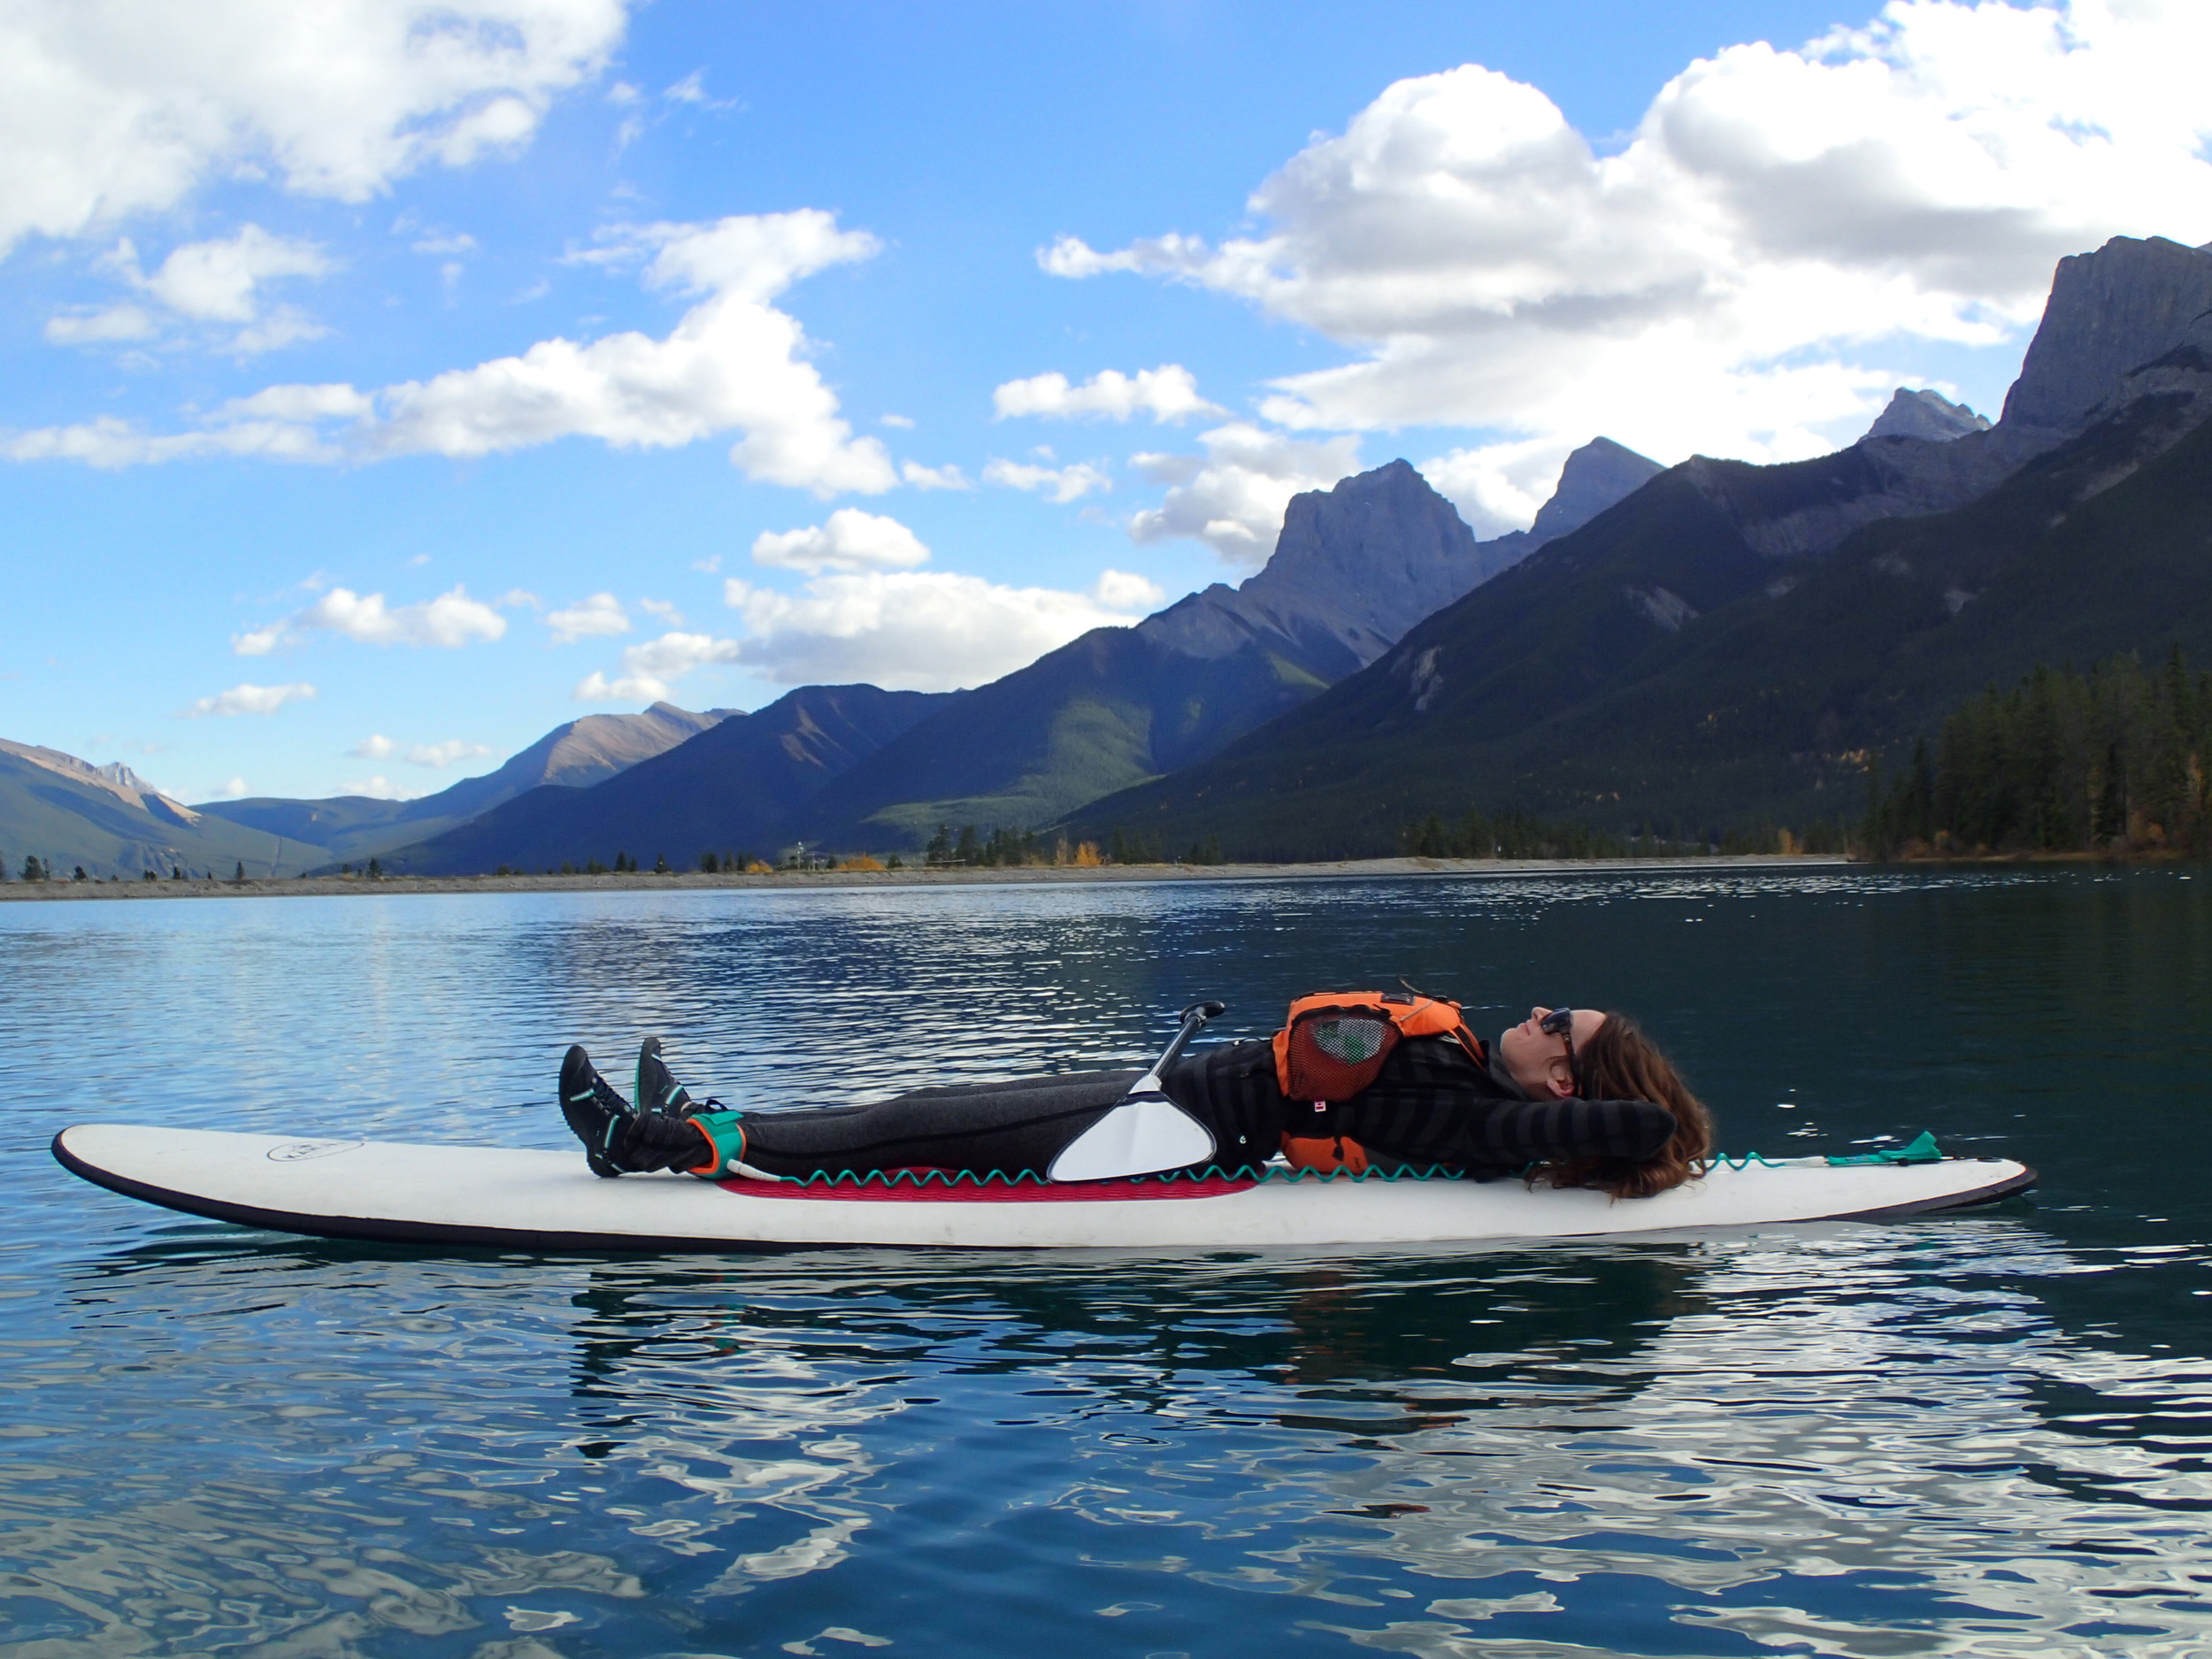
(1194, 1018)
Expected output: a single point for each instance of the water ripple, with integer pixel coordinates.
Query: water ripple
(1989, 1434)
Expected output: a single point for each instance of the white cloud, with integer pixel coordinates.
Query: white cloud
(297, 403)
(218, 281)
(1167, 393)
(85, 325)
(1715, 284)
(907, 630)
(451, 619)
(649, 669)
(903, 423)
(588, 618)
(1125, 590)
(273, 424)
(1498, 487)
(1232, 498)
(114, 107)
(248, 700)
(849, 539)
(732, 363)
(379, 788)
(692, 89)
(234, 790)
(439, 755)
(377, 747)
(661, 611)
(1062, 483)
(284, 326)
(945, 477)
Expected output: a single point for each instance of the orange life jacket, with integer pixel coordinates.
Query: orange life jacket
(1334, 1045)
(1334, 1042)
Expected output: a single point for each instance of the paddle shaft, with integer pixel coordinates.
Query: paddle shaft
(1194, 1018)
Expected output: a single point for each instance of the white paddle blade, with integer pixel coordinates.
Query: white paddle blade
(1146, 1134)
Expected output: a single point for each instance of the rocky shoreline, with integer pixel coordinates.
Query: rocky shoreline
(332, 886)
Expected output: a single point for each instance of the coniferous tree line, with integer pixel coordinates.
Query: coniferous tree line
(1509, 835)
(2109, 760)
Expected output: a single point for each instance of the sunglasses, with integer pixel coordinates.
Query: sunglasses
(1561, 1023)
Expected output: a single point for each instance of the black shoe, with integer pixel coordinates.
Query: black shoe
(661, 1140)
(595, 1111)
(658, 1091)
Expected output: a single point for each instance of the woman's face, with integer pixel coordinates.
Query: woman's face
(1539, 1062)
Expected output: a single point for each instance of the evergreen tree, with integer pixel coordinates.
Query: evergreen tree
(2062, 762)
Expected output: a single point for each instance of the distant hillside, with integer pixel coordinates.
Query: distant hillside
(573, 754)
(1703, 654)
(726, 790)
(1354, 568)
(65, 812)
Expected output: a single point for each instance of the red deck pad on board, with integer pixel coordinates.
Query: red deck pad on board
(928, 1192)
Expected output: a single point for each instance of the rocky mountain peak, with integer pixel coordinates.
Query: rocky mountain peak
(1354, 568)
(2132, 300)
(1357, 565)
(1375, 544)
(1926, 414)
(596, 746)
(114, 778)
(1598, 474)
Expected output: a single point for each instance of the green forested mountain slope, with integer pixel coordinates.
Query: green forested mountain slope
(1354, 566)
(1652, 670)
(1109, 710)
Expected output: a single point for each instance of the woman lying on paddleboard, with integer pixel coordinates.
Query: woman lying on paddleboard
(1570, 1097)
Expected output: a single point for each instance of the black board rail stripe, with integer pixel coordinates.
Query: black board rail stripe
(1973, 1199)
(384, 1230)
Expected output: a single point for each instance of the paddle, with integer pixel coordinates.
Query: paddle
(1145, 1132)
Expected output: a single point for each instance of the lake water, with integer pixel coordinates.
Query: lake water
(1979, 1434)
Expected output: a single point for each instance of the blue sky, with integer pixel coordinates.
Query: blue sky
(389, 382)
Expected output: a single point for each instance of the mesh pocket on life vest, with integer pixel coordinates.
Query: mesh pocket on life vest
(1335, 1053)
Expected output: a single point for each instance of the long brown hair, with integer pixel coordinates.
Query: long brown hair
(1620, 1062)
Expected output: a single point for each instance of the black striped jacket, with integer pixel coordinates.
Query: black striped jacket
(1431, 1104)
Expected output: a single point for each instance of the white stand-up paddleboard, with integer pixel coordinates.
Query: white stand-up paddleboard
(547, 1200)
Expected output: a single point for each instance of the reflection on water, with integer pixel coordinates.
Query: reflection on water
(1979, 1434)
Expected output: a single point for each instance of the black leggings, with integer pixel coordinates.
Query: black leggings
(1010, 1127)
(1021, 1126)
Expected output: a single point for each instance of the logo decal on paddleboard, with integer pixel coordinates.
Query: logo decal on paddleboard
(294, 1151)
